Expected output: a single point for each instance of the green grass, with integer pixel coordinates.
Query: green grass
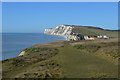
(80, 65)
(88, 31)
(89, 48)
(86, 60)
(33, 49)
(35, 64)
(81, 61)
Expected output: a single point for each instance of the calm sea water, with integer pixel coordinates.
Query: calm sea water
(14, 43)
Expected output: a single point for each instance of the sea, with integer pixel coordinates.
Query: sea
(14, 43)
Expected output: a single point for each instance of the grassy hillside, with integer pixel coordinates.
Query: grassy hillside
(85, 62)
(91, 31)
(66, 59)
(35, 64)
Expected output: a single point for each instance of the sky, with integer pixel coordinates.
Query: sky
(34, 17)
(60, 0)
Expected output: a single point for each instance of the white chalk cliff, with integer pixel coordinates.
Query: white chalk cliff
(62, 30)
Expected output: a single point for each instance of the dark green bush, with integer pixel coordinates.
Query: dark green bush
(113, 52)
(104, 44)
(34, 49)
(89, 48)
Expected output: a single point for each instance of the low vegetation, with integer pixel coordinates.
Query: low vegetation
(110, 48)
(34, 64)
(89, 48)
(84, 59)
(88, 31)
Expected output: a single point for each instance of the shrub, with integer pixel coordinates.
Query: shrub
(113, 52)
(34, 49)
(89, 48)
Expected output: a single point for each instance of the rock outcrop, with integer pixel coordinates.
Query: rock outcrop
(63, 30)
(66, 30)
(22, 53)
(75, 32)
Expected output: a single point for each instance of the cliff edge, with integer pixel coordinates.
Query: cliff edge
(67, 30)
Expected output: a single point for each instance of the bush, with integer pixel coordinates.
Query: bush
(113, 52)
(34, 49)
(89, 48)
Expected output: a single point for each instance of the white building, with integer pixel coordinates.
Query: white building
(103, 36)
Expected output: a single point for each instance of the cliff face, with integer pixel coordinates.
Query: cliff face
(68, 30)
(63, 30)
(22, 53)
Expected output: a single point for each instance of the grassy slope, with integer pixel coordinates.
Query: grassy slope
(88, 31)
(35, 64)
(68, 61)
(83, 65)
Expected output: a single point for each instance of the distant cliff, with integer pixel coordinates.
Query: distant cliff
(66, 30)
(63, 30)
